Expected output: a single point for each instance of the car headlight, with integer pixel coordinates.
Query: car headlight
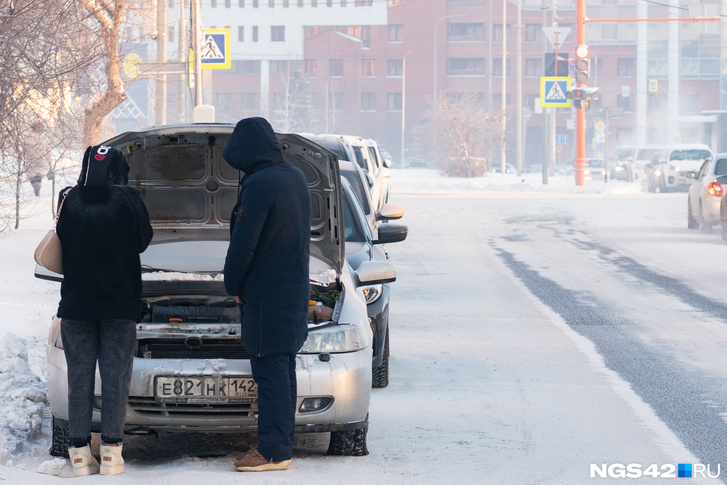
(333, 338)
(657, 172)
(676, 169)
(372, 292)
(618, 168)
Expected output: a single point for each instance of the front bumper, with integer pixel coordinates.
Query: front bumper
(346, 377)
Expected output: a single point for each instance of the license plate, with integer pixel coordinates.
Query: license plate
(205, 389)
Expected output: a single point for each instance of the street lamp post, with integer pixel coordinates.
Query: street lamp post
(435, 52)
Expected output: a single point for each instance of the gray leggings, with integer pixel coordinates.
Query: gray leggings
(111, 343)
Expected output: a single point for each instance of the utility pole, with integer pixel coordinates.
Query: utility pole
(183, 57)
(580, 112)
(503, 154)
(160, 98)
(519, 90)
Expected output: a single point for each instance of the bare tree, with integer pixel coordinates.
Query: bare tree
(462, 132)
(109, 16)
(293, 107)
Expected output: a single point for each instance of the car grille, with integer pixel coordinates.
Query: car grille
(191, 348)
(149, 406)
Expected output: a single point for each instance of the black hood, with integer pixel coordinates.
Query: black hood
(103, 165)
(253, 143)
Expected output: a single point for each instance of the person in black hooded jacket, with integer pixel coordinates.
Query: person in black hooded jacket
(103, 227)
(266, 270)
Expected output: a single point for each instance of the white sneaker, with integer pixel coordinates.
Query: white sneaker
(83, 461)
(111, 461)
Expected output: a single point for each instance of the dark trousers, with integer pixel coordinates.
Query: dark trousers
(277, 394)
(111, 343)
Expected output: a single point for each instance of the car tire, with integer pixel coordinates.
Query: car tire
(380, 374)
(349, 443)
(662, 185)
(692, 223)
(704, 227)
(59, 438)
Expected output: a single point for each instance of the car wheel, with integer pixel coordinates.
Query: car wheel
(662, 185)
(704, 227)
(59, 438)
(380, 375)
(692, 223)
(349, 443)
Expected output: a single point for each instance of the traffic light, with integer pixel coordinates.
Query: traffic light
(581, 65)
(582, 97)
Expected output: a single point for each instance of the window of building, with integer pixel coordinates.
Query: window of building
(246, 67)
(394, 101)
(395, 33)
(313, 3)
(286, 3)
(279, 67)
(690, 103)
(626, 68)
(395, 68)
(363, 3)
(465, 66)
(335, 67)
(254, 33)
(228, 3)
(255, 4)
(368, 68)
(213, 3)
(310, 67)
(300, 3)
(497, 32)
(170, 34)
(533, 67)
(368, 101)
(624, 102)
(465, 32)
(277, 33)
(242, 3)
(497, 67)
(170, 3)
(241, 33)
(329, 3)
(249, 101)
(533, 33)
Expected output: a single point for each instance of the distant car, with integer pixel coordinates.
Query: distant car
(366, 244)
(191, 372)
(675, 168)
(705, 194)
(595, 169)
(379, 176)
(383, 165)
(497, 168)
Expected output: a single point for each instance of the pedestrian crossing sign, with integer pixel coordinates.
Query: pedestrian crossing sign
(215, 51)
(553, 91)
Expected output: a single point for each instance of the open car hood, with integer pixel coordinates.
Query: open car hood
(190, 190)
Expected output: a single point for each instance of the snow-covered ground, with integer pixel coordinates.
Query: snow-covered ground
(431, 425)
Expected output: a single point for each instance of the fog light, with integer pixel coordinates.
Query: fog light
(315, 404)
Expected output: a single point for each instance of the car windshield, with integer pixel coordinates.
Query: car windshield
(693, 154)
(334, 146)
(360, 157)
(358, 188)
(647, 153)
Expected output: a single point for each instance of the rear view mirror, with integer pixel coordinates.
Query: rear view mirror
(375, 272)
(390, 211)
(391, 233)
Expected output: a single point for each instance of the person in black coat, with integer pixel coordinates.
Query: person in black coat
(266, 269)
(103, 227)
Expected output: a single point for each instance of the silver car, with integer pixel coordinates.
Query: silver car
(191, 372)
(705, 194)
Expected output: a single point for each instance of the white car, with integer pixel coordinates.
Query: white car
(677, 169)
(379, 177)
(705, 194)
(191, 372)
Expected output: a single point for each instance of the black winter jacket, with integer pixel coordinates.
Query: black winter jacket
(103, 227)
(268, 258)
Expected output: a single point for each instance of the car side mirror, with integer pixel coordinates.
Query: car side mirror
(391, 233)
(375, 272)
(369, 179)
(390, 211)
(387, 162)
(722, 179)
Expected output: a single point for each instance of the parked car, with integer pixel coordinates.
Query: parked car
(191, 372)
(365, 239)
(497, 168)
(595, 169)
(676, 167)
(705, 194)
(379, 177)
(383, 165)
